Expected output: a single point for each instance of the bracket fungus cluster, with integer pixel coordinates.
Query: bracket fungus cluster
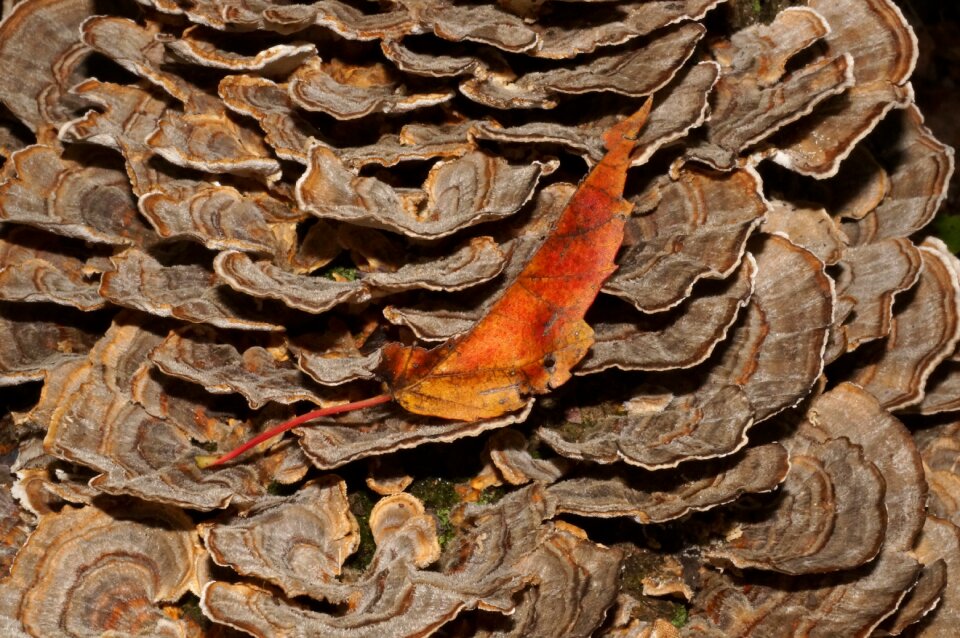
(218, 214)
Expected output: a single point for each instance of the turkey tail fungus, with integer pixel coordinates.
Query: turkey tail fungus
(712, 391)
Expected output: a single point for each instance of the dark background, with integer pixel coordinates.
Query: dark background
(937, 84)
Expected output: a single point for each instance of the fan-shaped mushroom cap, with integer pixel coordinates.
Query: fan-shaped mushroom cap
(87, 572)
(37, 343)
(939, 541)
(63, 196)
(486, 24)
(347, 92)
(940, 449)
(189, 292)
(287, 133)
(942, 390)
(680, 338)
(611, 24)
(40, 50)
(395, 512)
(829, 514)
(36, 266)
(298, 544)
(922, 335)
(508, 453)
(883, 50)
(200, 46)
(919, 168)
(571, 606)
(930, 587)
(129, 114)
(849, 411)
(386, 476)
(260, 374)
(413, 142)
(221, 217)
(858, 187)
(137, 49)
(457, 193)
(43, 484)
(698, 230)
(756, 96)
(208, 139)
(657, 497)
(869, 280)
(334, 357)
(812, 228)
(476, 262)
(822, 606)
(330, 443)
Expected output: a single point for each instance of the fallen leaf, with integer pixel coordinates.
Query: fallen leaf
(532, 335)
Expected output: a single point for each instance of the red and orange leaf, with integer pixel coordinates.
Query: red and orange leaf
(535, 332)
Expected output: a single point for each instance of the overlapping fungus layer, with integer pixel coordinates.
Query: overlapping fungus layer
(216, 213)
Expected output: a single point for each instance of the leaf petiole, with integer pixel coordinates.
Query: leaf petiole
(209, 460)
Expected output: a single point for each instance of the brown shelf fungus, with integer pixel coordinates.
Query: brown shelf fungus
(218, 215)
